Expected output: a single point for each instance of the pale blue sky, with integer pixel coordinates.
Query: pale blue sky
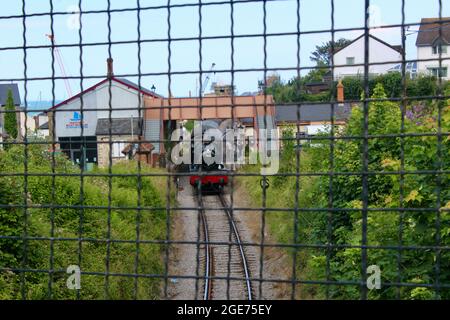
(248, 17)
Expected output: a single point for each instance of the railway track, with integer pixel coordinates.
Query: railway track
(220, 260)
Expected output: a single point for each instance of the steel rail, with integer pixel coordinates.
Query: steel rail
(239, 242)
(208, 253)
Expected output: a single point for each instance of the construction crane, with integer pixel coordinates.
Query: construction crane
(208, 77)
(60, 61)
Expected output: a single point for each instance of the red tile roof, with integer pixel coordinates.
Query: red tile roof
(429, 31)
(124, 82)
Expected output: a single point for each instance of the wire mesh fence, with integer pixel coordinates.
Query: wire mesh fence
(336, 178)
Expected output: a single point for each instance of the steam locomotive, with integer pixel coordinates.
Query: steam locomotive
(208, 177)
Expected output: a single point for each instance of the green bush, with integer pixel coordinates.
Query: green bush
(422, 86)
(11, 117)
(69, 221)
(294, 89)
(389, 192)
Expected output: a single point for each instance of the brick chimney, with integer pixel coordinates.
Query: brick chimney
(340, 92)
(110, 64)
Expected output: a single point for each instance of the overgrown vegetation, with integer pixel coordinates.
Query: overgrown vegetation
(324, 52)
(295, 90)
(422, 86)
(425, 195)
(67, 220)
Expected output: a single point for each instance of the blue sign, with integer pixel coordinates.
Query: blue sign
(76, 117)
(75, 122)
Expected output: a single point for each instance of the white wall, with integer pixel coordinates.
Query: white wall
(43, 133)
(378, 52)
(427, 53)
(31, 124)
(314, 129)
(41, 119)
(121, 97)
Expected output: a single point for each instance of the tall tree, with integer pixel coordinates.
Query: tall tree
(323, 53)
(11, 117)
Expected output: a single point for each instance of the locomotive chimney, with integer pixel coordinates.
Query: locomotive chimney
(110, 64)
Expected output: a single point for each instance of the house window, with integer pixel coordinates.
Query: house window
(437, 49)
(439, 72)
(117, 148)
(350, 61)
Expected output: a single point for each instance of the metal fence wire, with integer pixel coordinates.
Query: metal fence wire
(94, 206)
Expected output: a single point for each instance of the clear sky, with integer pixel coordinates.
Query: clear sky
(249, 53)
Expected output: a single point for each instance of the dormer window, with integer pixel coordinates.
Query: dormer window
(439, 49)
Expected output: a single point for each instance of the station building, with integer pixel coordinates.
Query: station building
(135, 121)
(307, 120)
(107, 114)
(253, 112)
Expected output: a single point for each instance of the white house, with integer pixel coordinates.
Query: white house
(43, 131)
(432, 45)
(351, 58)
(41, 125)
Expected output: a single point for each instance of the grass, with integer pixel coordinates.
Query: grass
(96, 222)
(281, 194)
